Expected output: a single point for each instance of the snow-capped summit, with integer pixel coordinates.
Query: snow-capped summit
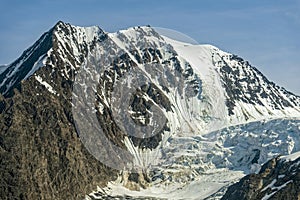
(186, 115)
(244, 94)
(62, 40)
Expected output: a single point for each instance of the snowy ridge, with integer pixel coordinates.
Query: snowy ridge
(70, 43)
(18, 70)
(208, 61)
(38, 64)
(75, 38)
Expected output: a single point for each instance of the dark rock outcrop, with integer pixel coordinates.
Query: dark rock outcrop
(277, 179)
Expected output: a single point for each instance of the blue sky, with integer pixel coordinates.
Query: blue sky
(264, 32)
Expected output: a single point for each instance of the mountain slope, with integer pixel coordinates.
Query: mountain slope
(17, 71)
(278, 179)
(41, 154)
(147, 97)
(248, 94)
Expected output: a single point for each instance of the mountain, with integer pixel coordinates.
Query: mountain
(136, 113)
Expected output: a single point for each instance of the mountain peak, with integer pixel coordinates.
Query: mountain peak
(63, 39)
(138, 34)
(87, 34)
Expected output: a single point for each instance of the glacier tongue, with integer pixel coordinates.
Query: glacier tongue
(200, 167)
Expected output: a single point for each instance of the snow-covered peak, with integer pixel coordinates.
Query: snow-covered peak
(80, 34)
(137, 37)
(139, 32)
(198, 89)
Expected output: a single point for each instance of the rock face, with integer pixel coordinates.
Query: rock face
(194, 89)
(41, 154)
(278, 179)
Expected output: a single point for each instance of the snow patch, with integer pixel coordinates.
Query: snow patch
(44, 83)
(38, 64)
(291, 157)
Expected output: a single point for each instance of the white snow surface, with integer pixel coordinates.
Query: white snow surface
(45, 84)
